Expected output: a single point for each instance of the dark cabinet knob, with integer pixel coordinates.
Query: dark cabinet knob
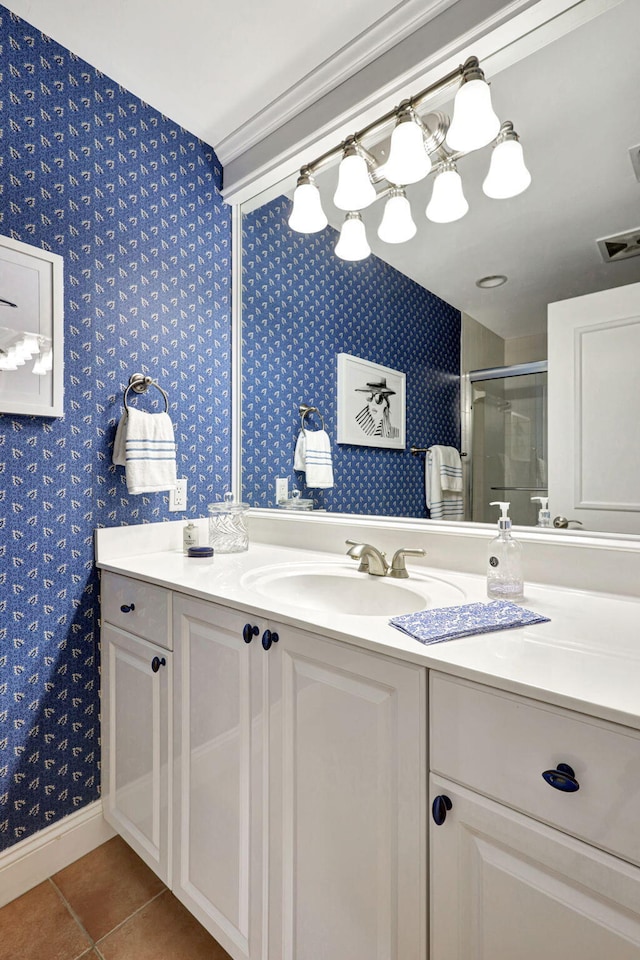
(562, 778)
(156, 663)
(128, 607)
(439, 809)
(269, 637)
(249, 631)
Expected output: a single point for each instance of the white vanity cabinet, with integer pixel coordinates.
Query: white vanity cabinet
(299, 790)
(503, 883)
(136, 716)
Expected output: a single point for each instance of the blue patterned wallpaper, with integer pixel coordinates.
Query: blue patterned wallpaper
(132, 203)
(302, 306)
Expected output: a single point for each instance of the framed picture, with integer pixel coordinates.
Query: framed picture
(371, 404)
(31, 330)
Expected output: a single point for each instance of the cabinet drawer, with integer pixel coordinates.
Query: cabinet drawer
(146, 608)
(500, 744)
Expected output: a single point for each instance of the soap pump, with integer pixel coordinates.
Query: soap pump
(544, 514)
(504, 569)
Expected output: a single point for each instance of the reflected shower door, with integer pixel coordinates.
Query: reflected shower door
(508, 441)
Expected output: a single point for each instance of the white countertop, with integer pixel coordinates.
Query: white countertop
(586, 658)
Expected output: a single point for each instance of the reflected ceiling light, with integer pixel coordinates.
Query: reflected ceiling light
(474, 123)
(353, 244)
(408, 158)
(355, 190)
(508, 175)
(307, 215)
(17, 346)
(397, 224)
(488, 283)
(420, 145)
(448, 202)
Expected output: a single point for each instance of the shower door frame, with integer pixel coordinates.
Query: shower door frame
(469, 378)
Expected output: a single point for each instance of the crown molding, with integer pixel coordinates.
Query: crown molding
(395, 26)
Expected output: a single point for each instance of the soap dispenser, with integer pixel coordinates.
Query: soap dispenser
(504, 569)
(544, 514)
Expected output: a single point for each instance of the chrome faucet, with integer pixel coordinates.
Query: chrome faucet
(371, 559)
(398, 569)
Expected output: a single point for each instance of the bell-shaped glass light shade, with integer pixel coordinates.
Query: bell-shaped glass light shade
(353, 244)
(474, 123)
(408, 160)
(397, 223)
(307, 215)
(508, 175)
(355, 190)
(30, 345)
(448, 202)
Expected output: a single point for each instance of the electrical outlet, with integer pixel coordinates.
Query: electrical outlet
(282, 489)
(178, 497)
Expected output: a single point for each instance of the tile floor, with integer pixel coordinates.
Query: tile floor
(106, 906)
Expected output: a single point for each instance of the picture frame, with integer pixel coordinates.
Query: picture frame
(31, 330)
(371, 404)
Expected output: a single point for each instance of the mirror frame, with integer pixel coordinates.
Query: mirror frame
(523, 34)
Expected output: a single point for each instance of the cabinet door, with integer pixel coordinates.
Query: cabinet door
(347, 766)
(135, 740)
(218, 751)
(505, 886)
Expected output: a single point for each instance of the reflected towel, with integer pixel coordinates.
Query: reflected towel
(443, 483)
(313, 455)
(145, 446)
(448, 623)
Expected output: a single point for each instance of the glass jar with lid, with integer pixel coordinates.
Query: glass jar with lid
(228, 525)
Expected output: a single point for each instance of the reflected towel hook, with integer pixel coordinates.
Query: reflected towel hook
(140, 384)
(305, 410)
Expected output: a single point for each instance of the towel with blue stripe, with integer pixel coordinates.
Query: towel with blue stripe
(449, 623)
(145, 446)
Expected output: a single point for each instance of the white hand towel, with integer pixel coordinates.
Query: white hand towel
(145, 445)
(443, 484)
(313, 455)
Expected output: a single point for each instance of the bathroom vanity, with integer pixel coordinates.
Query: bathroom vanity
(316, 784)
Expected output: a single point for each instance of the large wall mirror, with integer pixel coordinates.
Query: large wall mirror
(476, 358)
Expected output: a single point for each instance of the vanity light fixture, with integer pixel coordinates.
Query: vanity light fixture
(397, 224)
(408, 158)
(448, 202)
(474, 123)
(307, 215)
(353, 244)
(419, 147)
(17, 347)
(355, 190)
(508, 175)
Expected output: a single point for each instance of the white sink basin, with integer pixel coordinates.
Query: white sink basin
(335, 587)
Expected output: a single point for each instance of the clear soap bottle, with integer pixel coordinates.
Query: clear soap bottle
(544, 514)
(504, 567)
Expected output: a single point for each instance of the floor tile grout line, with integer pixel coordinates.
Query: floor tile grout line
(75, 917)
(130, 917)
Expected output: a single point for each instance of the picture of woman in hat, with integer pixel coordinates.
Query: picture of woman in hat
(374, 419)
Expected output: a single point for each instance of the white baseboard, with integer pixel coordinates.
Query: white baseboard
(30, 861)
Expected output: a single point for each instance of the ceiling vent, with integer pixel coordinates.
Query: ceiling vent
(621, 246)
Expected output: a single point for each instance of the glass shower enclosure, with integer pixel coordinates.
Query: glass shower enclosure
(508, 440)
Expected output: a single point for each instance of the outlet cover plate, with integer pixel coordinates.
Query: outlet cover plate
(282, 489)
(178, 497)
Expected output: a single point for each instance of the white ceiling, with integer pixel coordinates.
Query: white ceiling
(214, 66)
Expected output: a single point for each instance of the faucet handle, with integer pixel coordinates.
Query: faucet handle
(398, 569)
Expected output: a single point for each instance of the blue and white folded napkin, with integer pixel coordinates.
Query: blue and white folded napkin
(145, 446)
(448, 623)
(313, 455)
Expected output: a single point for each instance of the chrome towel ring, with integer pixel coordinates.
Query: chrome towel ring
(305, 410)
(140, 384)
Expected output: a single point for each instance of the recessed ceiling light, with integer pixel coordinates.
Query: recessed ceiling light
(496, 280)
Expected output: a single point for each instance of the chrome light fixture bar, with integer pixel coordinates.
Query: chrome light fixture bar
(418, 148)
